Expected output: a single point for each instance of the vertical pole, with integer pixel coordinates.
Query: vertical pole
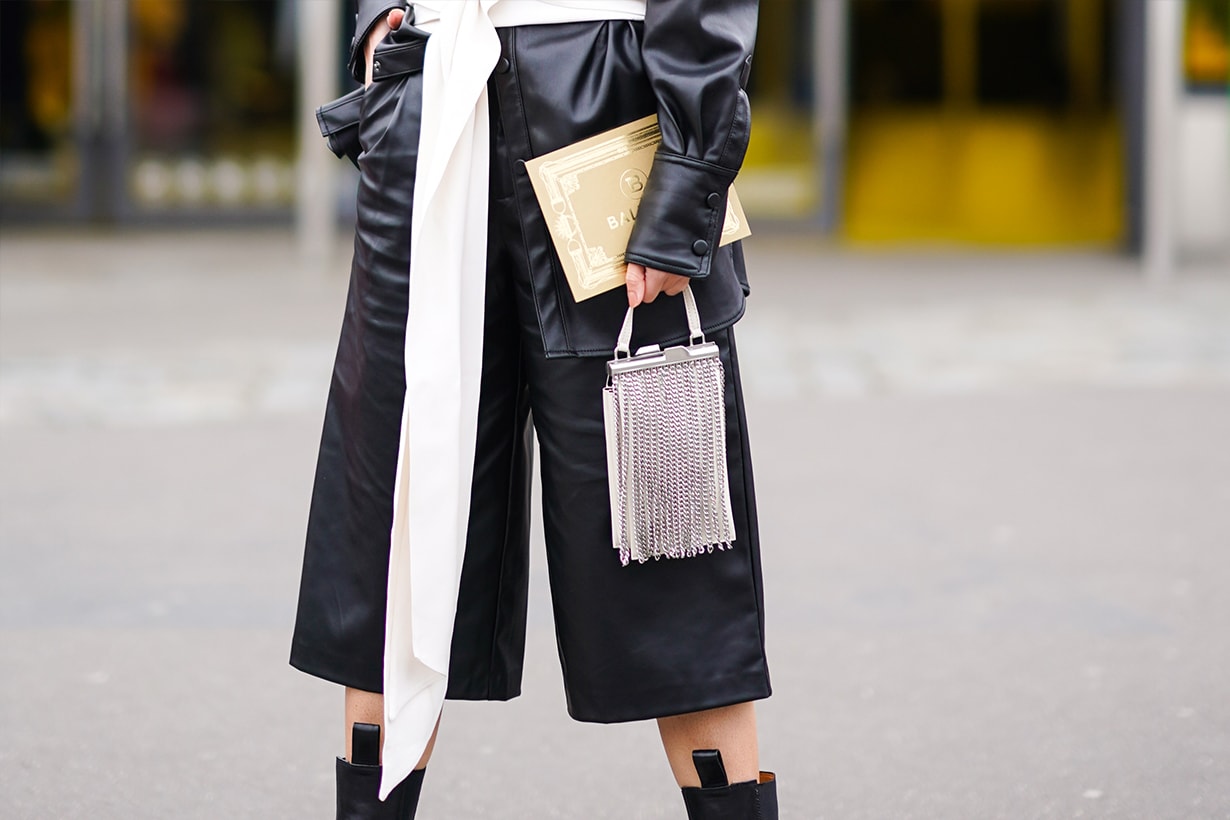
(1083, 53)
(1131, 80)
(100, 108)
(114, 202)
(1163, 29)
(87, 102)
(959, 39)
(316, 191)
(830, 64)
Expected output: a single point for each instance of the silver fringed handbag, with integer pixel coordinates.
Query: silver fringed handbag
(665, 415)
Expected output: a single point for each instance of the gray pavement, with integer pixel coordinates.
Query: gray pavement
(995, 507)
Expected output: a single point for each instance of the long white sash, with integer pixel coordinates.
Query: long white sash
(444, 345)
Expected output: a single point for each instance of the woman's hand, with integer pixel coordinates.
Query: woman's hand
(644, 284)
(379, 31)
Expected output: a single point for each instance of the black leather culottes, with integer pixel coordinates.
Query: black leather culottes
(635, 642)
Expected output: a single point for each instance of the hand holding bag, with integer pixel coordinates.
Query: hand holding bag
(665, 417)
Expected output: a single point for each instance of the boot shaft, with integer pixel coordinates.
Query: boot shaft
(358, 783)
(358, 794)
(718, 799)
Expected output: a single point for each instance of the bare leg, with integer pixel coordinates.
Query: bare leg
(368, 707)
(730, 729)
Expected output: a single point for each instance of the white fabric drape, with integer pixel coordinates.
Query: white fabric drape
(444, 342)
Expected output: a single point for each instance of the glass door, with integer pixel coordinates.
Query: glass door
(147, 110)
(211, 106)
(780, 177)
(985, 121)
(45, 53)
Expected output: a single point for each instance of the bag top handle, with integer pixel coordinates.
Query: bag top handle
(695, 334)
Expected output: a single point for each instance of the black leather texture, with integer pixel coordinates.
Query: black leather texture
(367, 14)
(568, 82)
(688, 63)
(339, 120)
(358, 794)
(710, 768)
(339, 125)
(750, 800)
(635, 642)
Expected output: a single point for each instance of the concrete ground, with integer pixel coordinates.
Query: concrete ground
(995, 505)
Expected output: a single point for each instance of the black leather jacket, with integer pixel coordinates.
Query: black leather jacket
(689, 63)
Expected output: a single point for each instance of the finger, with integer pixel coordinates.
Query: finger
(635, 279)
(676, 285)
(653, 285)
(379, 31)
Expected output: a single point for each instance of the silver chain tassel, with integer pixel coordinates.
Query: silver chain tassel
(666, 441)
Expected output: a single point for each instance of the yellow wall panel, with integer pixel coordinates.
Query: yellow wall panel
(1012, 178)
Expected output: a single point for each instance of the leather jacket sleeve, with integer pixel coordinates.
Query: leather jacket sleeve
(368, 12)
(697, 54)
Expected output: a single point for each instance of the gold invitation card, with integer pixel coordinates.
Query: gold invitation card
(590, 192)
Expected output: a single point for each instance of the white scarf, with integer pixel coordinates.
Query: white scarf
(444, 347)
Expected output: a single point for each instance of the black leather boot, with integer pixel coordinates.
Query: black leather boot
(358, 783)
(717, 799)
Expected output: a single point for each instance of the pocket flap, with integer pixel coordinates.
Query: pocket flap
(339, 124)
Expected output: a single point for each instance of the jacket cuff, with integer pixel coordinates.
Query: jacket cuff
(679, 221)
(369, 11)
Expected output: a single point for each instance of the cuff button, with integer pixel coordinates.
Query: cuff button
(700, 247)
(714, 200)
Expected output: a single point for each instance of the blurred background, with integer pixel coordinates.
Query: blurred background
(1021, 122)
(987, 366)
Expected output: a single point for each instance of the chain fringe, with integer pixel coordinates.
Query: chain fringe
(673, 486)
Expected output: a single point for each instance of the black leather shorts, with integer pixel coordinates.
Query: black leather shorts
(636, 642)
